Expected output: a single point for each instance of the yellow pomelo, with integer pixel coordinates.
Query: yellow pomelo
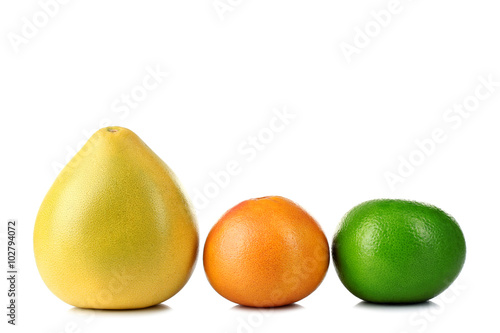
(115, 230)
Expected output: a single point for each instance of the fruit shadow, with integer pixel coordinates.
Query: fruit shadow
(289, 307)
(398, 307)
(119, 313)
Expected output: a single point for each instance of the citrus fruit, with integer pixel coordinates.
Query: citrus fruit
(397, 251)
(115, 230)
(266, 252)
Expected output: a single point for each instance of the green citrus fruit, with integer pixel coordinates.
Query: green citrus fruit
(397, 251)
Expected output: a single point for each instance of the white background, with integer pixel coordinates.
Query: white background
(353, 122)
